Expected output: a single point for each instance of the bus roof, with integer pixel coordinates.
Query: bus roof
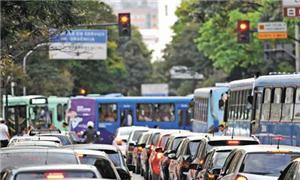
(242, 84)
(205, 92)
(278, 80)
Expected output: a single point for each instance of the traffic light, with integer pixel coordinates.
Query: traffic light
(124, 24)
(82, 91)
(243, 31)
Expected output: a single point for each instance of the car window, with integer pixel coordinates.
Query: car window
(155, 138)
(21, 159)
(267, 163)
(228, 162)
(180, 149)
(105, 169)
(207, 162)
(176, 142)
(234, 163)
(80, 174)
(192, 148)
(219, 158)
(136, 135)
(291, 174)
(164, 142)
(201, 150)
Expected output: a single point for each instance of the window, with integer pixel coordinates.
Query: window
(297, 105)
(108, 112)
(266, 104)
(192, 148)
(291, 173)
(184, 118)
(234, 163)
(258, 106)
(166, 10)
(276, 104)
(59, 112)
(156, 112)
(288, 106)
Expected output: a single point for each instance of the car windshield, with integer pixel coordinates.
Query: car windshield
(155, 138)
(78, 174)
(193, 146)
(115, 157)
(21, 159)
(267, 163)
(136, 135)
(219, 158)
(176, 142)
(103, 166)
(164, 141)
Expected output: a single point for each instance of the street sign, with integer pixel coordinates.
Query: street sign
(291, 8)
(272, 30)
(81, 44)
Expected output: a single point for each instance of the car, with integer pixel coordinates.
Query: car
(65, 140)
(122, 135)
(35, 143)
(292, 171)
(213, 163)
(185, 154)
(100, 160)
(35, 138)
(157, 155)
(258, 162)
(131, 143)
(170, 149)
(33, 156)
(138, 149)
(210, 142)
(114, 154)
(56, 172)
(147, 150)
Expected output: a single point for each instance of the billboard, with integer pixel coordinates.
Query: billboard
(155, 89)
(81, 44)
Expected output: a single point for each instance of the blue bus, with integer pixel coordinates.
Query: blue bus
(109, 113)
(276, 109)
(239, 107)
(208, 113)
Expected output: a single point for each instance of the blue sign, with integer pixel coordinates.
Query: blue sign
(80, 36)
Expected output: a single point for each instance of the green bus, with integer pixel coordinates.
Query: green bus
(35, 110)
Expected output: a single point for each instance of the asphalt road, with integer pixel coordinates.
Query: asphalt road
(137, 177)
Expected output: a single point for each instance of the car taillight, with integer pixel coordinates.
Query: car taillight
(233, 142)
(54, 175)
(159, 155)
(240, 177)
(211, 176)
(140, 149)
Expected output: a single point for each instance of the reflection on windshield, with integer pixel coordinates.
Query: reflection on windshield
(266, 163)
(219, 159)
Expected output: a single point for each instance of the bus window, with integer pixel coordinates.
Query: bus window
(144, 112)
(266, 104)
(65, 111)
(258, 106)
(288, 106)
(108, 112)
(276, 105)
(297, 105)
(59, 109)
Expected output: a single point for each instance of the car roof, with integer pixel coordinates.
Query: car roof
(183, 134)
(197, 136)
(241, 138)
(90, 152)
(268, 148)
(34, 149)
(46, 138)
(93, 146)
(57, 167)
(35, 143)
(224, 148)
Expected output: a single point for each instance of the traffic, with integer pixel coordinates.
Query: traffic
(245, 129)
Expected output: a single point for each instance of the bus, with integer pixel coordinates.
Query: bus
(109, 113)
(23, 111)
(239, 107)
(57, 107)
(208, 111)
(276, 109)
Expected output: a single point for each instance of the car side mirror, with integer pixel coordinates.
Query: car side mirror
(141, 145)
(186, 157)
(123, 174)
(215, 171)
(172, 156)
(159, 150)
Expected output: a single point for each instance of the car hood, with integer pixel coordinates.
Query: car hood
(258, 177)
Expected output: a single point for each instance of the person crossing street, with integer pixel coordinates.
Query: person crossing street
(4, 135)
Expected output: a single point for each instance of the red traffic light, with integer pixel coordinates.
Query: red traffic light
(243, 25)
(124, 24)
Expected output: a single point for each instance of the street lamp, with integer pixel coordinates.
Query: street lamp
(25, 59)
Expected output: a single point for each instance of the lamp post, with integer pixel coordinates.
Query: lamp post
(25, 59)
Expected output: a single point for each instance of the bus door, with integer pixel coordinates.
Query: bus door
(39, 116)
(126, 115)
(16, 117)
(184, 116)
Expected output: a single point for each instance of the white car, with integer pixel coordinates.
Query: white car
(34, 138)
(122, 135)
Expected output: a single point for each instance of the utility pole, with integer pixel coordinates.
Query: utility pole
(297, 47)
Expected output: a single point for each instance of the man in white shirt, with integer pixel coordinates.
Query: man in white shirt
(4, 135)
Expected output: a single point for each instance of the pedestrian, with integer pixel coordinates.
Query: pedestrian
(4, 135)
(221, 131)
(90, 133)
(65, 128)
